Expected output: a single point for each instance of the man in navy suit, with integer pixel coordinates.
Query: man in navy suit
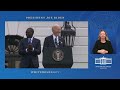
(29, 49)
(54, 40)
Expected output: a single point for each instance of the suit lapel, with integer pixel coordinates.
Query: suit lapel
(52, 41)
(33, 41)
(26, 41)
(60, 41)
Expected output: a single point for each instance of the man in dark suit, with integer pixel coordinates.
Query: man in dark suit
(51, 42)
(54, 40)
(29, 48)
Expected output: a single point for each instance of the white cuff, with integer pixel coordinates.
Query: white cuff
(33, 49)
(26, 50)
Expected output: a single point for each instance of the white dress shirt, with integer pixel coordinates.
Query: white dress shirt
(31, 42)
(31, 39)
(57, 37)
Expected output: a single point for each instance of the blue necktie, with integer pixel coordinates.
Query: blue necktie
(29, 40)
(56, 43)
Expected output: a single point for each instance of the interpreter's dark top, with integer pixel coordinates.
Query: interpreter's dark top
(98, 46)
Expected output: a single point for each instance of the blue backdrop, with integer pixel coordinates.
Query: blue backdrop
(107, 20)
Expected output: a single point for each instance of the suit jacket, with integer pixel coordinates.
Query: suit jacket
(29, 57)
(49, 42)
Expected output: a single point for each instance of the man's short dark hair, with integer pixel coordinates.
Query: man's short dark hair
(31, 29)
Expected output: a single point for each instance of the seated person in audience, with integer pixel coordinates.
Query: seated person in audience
(103, 44)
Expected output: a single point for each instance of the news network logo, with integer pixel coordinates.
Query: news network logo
(103, 61)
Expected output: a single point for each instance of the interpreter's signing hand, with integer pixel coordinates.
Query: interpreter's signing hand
(103, 51)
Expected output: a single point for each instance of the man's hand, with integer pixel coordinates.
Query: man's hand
(30, 47)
